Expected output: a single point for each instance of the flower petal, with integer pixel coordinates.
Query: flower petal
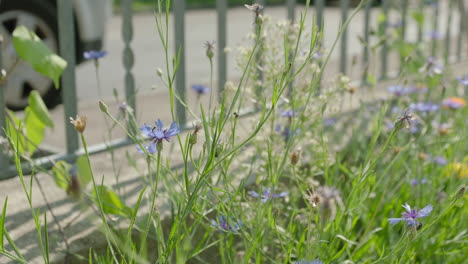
(253, 193)
(280, 194)
(146, 129)
(407, 207)
(394, 220)
(159, 124)
(173, 130)
(425, 211)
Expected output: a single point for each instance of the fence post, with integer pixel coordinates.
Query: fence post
(404, 14)
(384, 66)
(3, 158)
(66, 29)
(291, 10)
(365, 51)
(448, 32)
(258, 57)
(221, 6)
(344, 37)
(128, 58)
(179, 18)
(435, 27)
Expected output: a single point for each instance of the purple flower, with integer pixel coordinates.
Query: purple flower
(94, 54)
(432, 66)
(440, 160)
(267, 194)
(288, 113)
(223, 225)
(200, 89)
(415, 182)
(329, 122)
(424, 107)
(317, 55)
(435, 35)
(399, 90)
(286, 132)
(411, 215)
(157, 134)
(463, 80)
(454, 102)
(304, 261)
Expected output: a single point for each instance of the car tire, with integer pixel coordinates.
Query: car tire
(42, 16)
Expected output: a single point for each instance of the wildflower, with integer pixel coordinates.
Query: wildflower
(415, 182)
(457, 169)
(411, 215)
(209, 45)
(423, 156)
(440, 160)
(329, 121)
(124, 108)
(267, 194)
(317, 55)
(223, 225)
(286, 132)
(399, 90)
(312, 198)
(404, 121)
(432, 67)
(434, 35)
(200, 89)
(304, 261)
(157, 135)
(454, 102)
(424, 107)
(79, 123)
(443, 129)
(94, 54)
(463, 80)
(257, 9)
(288, 113)
(194, 136)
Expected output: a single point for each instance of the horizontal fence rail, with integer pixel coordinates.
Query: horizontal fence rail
(67, 51)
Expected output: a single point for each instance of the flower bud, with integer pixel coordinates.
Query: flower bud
(79, 123)
(193, 138)
(103, 107)
(296, 156)
(159, 72)
(460, 192)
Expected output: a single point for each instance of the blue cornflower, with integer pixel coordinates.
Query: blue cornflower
(200, 89)
(435, 35)
(440, 160)
(267, 194)
(304, 261)
(317, 55)
(415, 182)
(463, 80)
(286, 132)
(399, 90)
(329, 121)
(411, 215)
(424, 107)
(224, 226)
(288, 113)
(157, 135)
(94, 54)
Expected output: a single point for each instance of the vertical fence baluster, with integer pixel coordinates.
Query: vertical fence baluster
(366, 43)
(448, 32)
(128, 58)
(421, 27)
(319, 6)
(384, 52)
(344, 37)
(179, 18)
(3, 159)
(291, 10)
(461, 15)
(435, 27)
(221, 6)
(66, 29)
(404, 16)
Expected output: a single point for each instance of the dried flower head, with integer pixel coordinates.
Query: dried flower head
(79, 123)
(296, 156)
(312, 198)
(256, 8)
(404, 121)
(209, 45)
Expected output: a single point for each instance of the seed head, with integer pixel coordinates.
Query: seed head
(79, 123)
(296, 156)
(209, 45)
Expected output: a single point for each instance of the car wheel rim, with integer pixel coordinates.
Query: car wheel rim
(22, 78)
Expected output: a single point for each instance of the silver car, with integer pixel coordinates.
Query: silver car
(40, 16)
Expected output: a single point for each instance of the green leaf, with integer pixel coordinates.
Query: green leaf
(40, 109)
(31, 49)
(2, 223)
(35, 130)
(111, 203)
(61, 174)
(418, 16)
(84, 171)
